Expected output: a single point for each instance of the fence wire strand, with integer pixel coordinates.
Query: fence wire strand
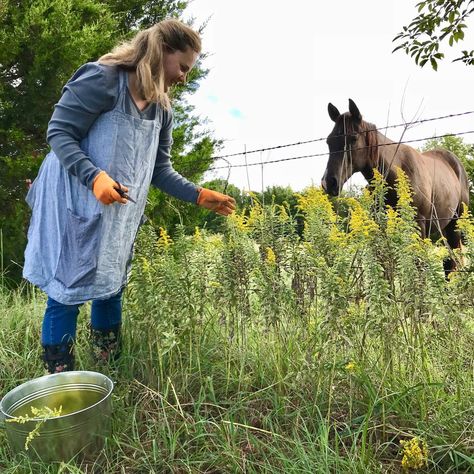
(315, 155)
(386, 127)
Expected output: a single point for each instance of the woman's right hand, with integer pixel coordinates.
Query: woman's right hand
(104, 190)
(215, 201)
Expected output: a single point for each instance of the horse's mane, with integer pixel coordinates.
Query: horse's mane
(371, 141)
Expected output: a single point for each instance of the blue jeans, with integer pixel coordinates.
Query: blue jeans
(60, 320)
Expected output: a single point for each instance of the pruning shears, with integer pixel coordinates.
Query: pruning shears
(122, 193)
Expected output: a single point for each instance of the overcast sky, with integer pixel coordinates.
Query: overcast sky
(275, 65)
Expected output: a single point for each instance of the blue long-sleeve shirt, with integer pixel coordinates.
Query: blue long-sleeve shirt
(93, 90)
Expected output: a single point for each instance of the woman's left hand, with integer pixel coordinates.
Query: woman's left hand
(217, 202)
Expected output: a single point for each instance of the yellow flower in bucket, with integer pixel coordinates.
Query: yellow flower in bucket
(43, 414)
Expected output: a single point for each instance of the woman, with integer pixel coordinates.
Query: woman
(110, 136)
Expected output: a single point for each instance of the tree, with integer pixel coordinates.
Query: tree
(464, 151)
(438, 21)
(41, 45)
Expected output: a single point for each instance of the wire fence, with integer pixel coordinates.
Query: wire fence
(405, 124)
(314, 155)
(262, 163)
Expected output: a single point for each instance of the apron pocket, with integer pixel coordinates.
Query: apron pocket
(79, 250)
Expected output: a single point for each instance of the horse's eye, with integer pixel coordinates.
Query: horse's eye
(353, 138)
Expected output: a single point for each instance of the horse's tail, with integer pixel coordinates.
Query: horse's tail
(461, 174)
(464, 198)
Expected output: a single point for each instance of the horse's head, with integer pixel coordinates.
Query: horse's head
(352, 148)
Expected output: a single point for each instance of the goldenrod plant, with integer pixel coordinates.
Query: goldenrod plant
(262, 350)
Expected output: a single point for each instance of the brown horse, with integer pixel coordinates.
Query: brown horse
(437, 177)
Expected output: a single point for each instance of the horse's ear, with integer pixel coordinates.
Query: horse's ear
(333, 112)
(353, 109)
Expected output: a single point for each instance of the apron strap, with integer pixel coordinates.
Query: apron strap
(123, 79)
(123, 83)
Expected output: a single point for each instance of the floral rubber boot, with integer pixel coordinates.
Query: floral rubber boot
(106, 343)
(58, 357)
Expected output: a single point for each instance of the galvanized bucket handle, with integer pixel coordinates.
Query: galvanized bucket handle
(2, 419)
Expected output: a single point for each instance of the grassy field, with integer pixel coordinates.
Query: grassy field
(345, 351)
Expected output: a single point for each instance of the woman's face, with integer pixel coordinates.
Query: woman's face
(177, 64)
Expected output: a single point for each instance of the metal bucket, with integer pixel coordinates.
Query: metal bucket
(85, 398)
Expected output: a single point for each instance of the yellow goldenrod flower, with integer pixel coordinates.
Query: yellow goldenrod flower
(337, 237)
(270, 259)
(238, 221)
(415, 454)
(360, 222)
(165, 240)
(197, 234)
(404, 191)
(393, 221)
(351, 366)
(378, 183)
(316, 201)
(465, 224)
(255, 215)
(145, 264)
(283, 214)
(440, 253)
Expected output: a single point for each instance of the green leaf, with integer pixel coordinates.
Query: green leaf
(401, 46)
(434, 64)
(468, 459)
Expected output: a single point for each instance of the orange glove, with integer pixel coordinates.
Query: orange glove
(103, 188)
(217, 202)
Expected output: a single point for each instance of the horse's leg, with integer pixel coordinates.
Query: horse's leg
(453, 236)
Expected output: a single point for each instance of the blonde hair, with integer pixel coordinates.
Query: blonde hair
(144, 55)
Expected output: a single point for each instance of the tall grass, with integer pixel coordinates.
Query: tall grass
(260, 351)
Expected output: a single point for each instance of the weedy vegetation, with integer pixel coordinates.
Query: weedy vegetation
(344, 350)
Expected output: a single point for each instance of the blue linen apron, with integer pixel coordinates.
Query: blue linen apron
(78, 248)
